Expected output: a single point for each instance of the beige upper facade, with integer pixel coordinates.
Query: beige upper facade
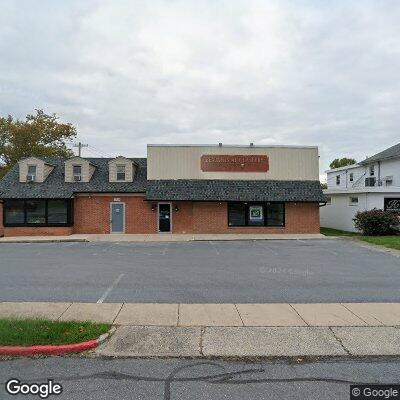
(184, 162)
(86, 170)
(121, 164)
(41, 170)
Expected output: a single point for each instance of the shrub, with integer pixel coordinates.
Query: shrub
(375, 222)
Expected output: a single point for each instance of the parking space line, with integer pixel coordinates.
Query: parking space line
(165, 249)
(266, 247)
(214, 247)
(109, 289)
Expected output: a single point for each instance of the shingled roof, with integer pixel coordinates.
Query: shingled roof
(233, 190)
(391, 152)
(56, 187)
(181, 189)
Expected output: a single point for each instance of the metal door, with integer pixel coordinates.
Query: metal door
(117, 217)
(164, 217)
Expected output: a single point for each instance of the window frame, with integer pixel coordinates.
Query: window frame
(338, 179)
(372, 170)
(34, 174)
(353, 203)
(74, 174)
(351, 176)
(70, 214)
(116, 172)
(264, 205)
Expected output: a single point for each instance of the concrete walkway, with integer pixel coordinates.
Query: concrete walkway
(163, 237)
(233, 330)
(199, 315)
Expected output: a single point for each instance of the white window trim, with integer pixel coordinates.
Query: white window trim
(351, 203)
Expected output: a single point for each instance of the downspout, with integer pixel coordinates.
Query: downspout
(379, 174)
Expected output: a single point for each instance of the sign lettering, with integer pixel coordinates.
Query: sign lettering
(234, 163)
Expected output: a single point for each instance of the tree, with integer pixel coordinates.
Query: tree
(324, 185)
(341, 162)
(39, 135)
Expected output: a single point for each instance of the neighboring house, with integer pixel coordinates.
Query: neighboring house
(372, 183)
(177, 189)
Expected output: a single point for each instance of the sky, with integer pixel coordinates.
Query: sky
(128, 73)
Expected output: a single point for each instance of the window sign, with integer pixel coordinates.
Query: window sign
(392, 204)
(256, 213)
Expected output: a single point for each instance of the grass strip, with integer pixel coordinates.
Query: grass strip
(390, 241)
(30, 332)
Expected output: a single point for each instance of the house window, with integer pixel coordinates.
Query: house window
(351, 177)
(256, 214)
(77, 172)
(353, 201)
(34, 212)
(121, 172)
(328, 200)
(337, 179)
(371, 170)
(31, 177)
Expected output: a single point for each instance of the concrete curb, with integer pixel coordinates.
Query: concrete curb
(28, 351)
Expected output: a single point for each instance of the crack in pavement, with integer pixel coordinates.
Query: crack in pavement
(229, 378)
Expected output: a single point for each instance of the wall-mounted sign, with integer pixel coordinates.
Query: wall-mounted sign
(392, 204)
(234, 163)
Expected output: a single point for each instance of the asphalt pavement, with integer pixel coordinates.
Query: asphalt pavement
(106, 379)
(262, 271)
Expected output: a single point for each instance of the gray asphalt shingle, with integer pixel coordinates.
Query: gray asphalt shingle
(182, 189)
(232, 190)
(56, 187)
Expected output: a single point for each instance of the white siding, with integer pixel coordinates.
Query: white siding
(339, 214)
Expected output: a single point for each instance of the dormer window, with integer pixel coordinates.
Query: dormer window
(121, 172)
(77, 172)
(31, 176)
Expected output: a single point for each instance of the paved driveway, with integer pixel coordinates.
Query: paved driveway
(199, 272)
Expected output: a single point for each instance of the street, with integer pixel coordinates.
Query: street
(270, 271)
(183, 379)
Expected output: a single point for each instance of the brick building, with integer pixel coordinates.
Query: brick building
(177, 189)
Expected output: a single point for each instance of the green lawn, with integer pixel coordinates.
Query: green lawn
(392, 241)
(337, 232)
(37, 332)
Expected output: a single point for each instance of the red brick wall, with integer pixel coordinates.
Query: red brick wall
(92, 214)
(38, 231)
(1, 220)
(213, 218)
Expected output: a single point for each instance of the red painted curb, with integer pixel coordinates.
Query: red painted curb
(61, 349)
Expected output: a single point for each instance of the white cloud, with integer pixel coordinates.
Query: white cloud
(128, 73)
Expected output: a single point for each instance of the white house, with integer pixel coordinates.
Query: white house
(372, 183)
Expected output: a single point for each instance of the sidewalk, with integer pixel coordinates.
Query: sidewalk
(233, 330)
(163, 237)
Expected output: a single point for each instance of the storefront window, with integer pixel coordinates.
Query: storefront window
(275, 214)
(237, 214)
(261, 214)
(14, 212)
(57, 212)
(35, 211)
(32, 212)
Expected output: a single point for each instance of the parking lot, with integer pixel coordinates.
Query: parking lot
(257, 271)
